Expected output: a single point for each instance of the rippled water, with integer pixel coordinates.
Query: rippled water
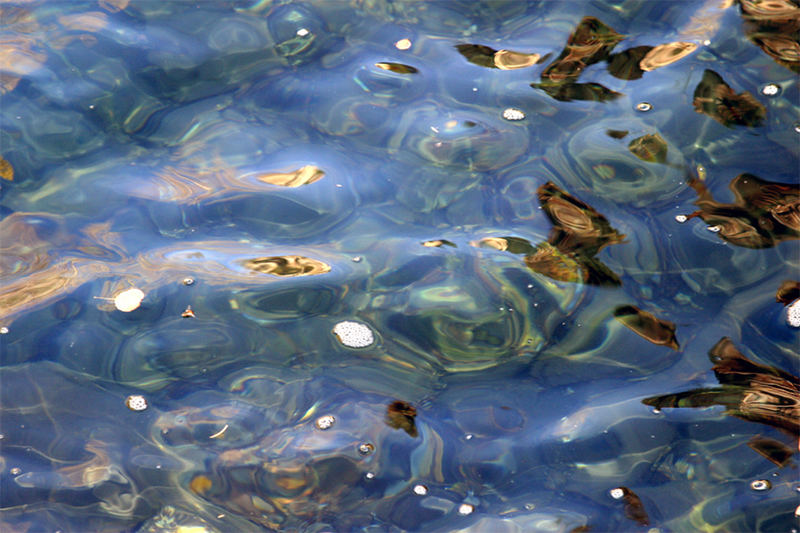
(387, 266)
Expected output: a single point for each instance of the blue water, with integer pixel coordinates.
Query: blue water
(568, 259)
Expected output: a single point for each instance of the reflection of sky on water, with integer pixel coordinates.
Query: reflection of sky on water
(542, 295)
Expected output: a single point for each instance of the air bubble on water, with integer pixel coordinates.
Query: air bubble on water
(136, 402)
(644, 106)
(714, 229)
(681, 218)
(513, 114)
(465, 509)
(188, 281)
(770, 89)
(468, 436)
(656, 411)
(15, 471)
(369, 475)
(353, 334)
(403, 44)
(302, 32)
(760, 484)
(793, 314)
(797, 127)
(357, 259)
(3, 330)
(420, 490)
(325, 422)
(617, 493)
(530, 285)
(366, 448)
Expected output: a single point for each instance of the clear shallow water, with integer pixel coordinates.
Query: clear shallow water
(543, 328)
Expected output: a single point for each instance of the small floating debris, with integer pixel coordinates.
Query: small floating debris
(680, 219)
(420, 490)
(771, 89)
(3, 330)
(366, 448)
(512, 113)
(714, 229)
(188, 313)
(437, 243)
(644, 106)
(465, 509)
(403, 44)
(793, 314)
(127, 301)
(136, 402)
(398, 68)
(325, 422)
(760, 484)
(188, 281)
(353, 334)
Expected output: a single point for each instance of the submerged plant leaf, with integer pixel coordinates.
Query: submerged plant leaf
(748, 390)
(715, 98)
(651, 148)
(402, 415)
(763, 214)
(287, 265)
(6, 170)
(591, 42)
(772, 450)
(773, 27)
(666, 54)
(647, 325)
(579, 233)
(626, 65)
(398, 68)
(634, 508)
(302, 176)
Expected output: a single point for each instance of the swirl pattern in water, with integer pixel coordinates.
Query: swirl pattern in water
(399, 266)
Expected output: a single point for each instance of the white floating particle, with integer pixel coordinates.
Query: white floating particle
(366, 448)
(188, 281)
(369, 475)
(617, 493)
(644, 106)
(513, 114)
(403, 44)
(760, 484)
(680, 219)
(714, 229)
(357, 259)
(15, 471)
(3, 330)
(465, 509)
(325, 422)
(136, 402)
(770, 89)
(420, 490)
(797, 511)
(127, 301)
(793, 314)
(353, 334)
(302, 32)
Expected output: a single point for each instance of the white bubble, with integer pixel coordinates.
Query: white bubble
(188, 281)
(325, 422)
(714, 229)
(465, 509)
(644, 106)
(302, 32)
(513, 114)
(617, 493)
(366, 448)
(760, 484)
(127, 301)
(420, 490)
(369, 475)
(793, 314)
(3, 330)
(770, 89)
(136, 402)
(403, 44)
(681, 218)
(353, 334)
